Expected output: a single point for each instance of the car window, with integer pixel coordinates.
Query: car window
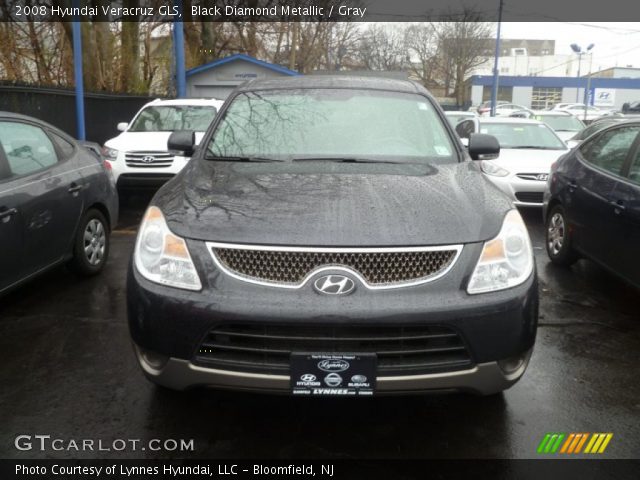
(333, 123)
(27, 148)
(65, 147)
(465, 129)
(609, 150)
(634, 172)
(523, 135)
(561, 123)
(169, 118)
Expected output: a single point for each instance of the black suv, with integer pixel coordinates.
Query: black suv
(331, 236)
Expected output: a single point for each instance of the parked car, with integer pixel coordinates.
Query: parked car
(596, 126)
(527, 150)
(631, 107)
(562, 106)
(563, 123)
(485, 107)
(139, 155)
(592, 205)
(455, 117)
(504, 110)
(57, 202)
(591, 114)
(332, 237)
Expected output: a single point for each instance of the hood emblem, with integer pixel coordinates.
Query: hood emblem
(334, 285)
(148, 159)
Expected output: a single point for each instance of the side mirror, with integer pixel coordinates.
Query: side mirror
(483, 147)
(625, 107)
(122, 126)
(182, 141)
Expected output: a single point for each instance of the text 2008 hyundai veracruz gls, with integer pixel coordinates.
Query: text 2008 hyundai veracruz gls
(331, 237)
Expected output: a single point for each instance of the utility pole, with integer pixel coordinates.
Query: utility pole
(77, 73)
(494, 90)
(178, 47)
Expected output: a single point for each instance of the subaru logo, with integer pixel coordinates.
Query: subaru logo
(333, 365)
(334, 285)
(308, 377)
(358, 379)
(148, 159)
(333, 380)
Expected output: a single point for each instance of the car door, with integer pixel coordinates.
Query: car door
(592, 182)
(625, 210)
(47, 191)
(10, 228)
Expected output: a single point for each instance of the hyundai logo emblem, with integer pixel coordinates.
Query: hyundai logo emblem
(148, 159)
(334, 285)
(543, 177)
(308, 377)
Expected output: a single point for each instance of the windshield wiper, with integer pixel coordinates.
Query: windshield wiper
(341, 160)
(219, 158)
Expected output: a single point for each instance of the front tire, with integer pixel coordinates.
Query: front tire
(91, 245)
(557, 238)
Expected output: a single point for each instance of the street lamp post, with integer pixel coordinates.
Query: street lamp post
(577, 49)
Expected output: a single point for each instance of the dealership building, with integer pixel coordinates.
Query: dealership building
(219, 78)
(539, 93)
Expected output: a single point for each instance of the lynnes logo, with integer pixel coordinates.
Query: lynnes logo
(573, 443)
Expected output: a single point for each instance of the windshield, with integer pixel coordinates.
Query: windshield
(327, 124)
(523, 135)
(562, 123)
(169, 118)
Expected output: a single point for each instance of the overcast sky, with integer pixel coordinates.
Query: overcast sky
(615, 43)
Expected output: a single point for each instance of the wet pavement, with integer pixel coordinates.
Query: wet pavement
(68, 371)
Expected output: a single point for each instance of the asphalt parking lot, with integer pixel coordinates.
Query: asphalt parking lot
(68, 370)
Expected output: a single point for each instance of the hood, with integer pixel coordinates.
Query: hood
(332, 204)
(527, 161)
(143, 141)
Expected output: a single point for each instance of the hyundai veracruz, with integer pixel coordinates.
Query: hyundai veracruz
(331, 236)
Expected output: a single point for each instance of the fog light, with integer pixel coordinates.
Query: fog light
(512, 364)
(152, 359)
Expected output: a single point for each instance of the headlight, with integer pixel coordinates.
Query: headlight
(493, 169)
(110, 153)
(161, 256)
(506, 260)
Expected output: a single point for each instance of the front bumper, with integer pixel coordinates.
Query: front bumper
(483, 379)
(169, 325)
(523, 193)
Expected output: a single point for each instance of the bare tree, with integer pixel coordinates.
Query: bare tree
(382, 47)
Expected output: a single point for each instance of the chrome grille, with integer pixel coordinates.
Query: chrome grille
(377, 267)
(148, 159)
(539, 177)
(401, 349)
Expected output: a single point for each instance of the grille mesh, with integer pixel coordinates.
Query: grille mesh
(377, 268)
(401, 349)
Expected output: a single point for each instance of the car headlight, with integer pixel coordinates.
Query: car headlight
(506, 260)
(163, 257)
(109, 153)
(493, 169)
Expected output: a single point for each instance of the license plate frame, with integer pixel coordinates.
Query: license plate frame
(333, 374)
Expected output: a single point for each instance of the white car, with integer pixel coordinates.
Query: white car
(504, 110)
(592, 113)
(528, 148)
(563, 123)
(139, 155)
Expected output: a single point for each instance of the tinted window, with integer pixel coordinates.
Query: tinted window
(65, 147)
(609, 150)
(333, 123)
(169, 118)
(634, 173)
(27, 148)
(465, 129)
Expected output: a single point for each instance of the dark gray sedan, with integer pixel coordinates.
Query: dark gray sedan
(57, 202)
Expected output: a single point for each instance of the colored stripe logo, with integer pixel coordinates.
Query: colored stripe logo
(574, 443)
